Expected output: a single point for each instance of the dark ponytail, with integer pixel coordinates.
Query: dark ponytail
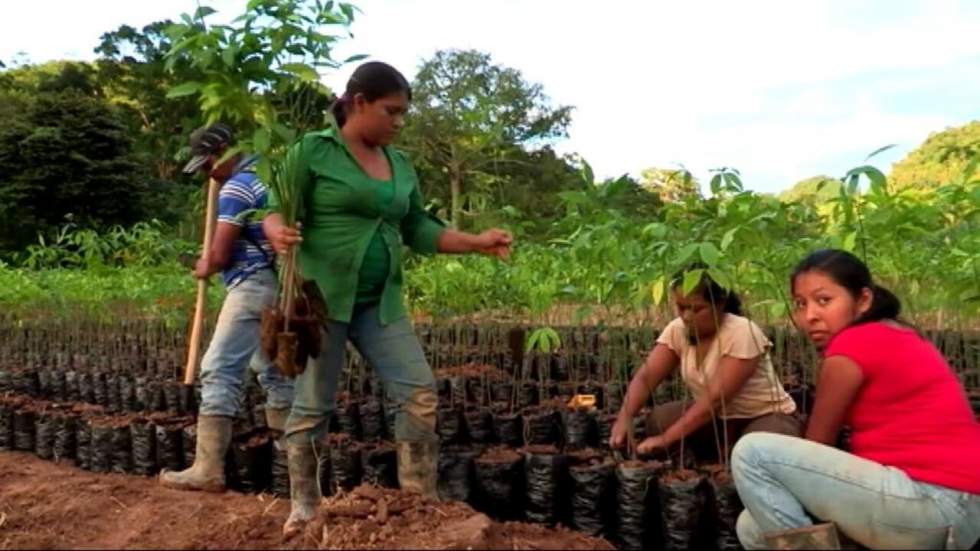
(374, 80)
(850, 273)
(711, 291)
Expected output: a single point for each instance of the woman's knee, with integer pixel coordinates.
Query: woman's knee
(748, 531)
(747, 451)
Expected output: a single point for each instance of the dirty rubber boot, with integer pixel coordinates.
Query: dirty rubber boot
(275, 418)
(417, 467)
(304, 491)
(208, 471)
(818, 536)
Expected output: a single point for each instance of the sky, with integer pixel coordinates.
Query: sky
(780, 90)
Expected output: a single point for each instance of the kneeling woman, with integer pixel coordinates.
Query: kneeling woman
(724, 361)
(913, 472)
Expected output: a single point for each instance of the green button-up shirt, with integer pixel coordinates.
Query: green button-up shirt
(341, 214)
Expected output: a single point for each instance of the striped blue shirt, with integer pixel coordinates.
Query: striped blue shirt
(251, 252)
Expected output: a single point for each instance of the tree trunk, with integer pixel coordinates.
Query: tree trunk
(456, 192)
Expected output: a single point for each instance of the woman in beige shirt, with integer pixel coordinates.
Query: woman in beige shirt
(724, 362)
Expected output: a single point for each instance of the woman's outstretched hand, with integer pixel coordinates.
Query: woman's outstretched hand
(494, 242)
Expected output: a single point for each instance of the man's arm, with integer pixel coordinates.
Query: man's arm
(219, 253)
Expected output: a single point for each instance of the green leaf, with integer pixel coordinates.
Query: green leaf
(727, 239)
(587, 175)
(302, 70)
(228, 56)
(777, 309)
(879, 150)
(203, 12)
(720, 277)
(691, 281)
(655, 229)
(658, 290)
(850, 240)
(356, 58)
(710, 253)
(685, 254)
(185, 89)
(261, 140)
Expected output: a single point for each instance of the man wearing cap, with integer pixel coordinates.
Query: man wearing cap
(240, 251)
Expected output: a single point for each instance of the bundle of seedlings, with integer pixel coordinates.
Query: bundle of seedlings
(593, 486)
(546, 475)
(290, 330)
(500, 482)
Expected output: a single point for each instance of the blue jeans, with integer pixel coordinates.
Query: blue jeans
(235, 346)
(393, 351)
(784, 481)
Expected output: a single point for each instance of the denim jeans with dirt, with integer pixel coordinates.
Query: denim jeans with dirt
(235, 347)
(395, 354)
(788, 482)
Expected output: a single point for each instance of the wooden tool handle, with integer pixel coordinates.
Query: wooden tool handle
(194, 344)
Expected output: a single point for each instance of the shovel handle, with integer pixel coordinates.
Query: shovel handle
(194, 344)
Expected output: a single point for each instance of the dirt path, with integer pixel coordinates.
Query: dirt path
(51, 506)
(46, 505)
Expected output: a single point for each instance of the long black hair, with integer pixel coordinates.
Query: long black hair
(851, 273)
(726, 300)
(374, 80)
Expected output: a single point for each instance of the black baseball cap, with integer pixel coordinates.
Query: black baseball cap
(207, 141)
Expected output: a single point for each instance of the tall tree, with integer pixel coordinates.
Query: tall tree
(939, 160)
(132, 71)
(671, 184)
(467, 116)
(67, 157)
(814, 190)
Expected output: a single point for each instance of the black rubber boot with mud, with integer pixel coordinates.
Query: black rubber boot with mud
(304, 489)
(208, 471)
(417, 467)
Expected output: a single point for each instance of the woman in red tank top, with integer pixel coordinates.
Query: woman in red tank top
(912, 477)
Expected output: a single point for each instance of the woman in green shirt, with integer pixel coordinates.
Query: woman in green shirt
(362, 204)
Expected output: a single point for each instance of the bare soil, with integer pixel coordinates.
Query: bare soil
(54, 506)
